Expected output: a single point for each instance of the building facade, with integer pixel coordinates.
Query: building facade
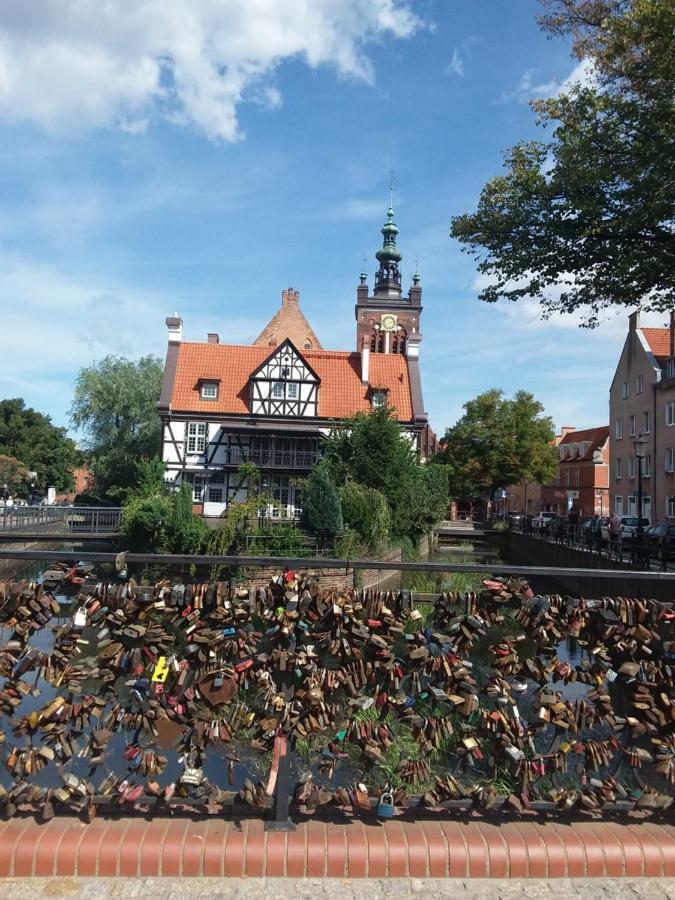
(272, 403)
(642, 405)
(582, 480)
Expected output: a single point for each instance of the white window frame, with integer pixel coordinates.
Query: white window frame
(209, 390)
(378, 399)
(618, 429)
(670, 368)
(631, 426)
(277, 390)
(618, 468)
(670, 507)
(647, 507)
(632, 505)
(647, 467)
(198, 488)
(639, 384)
(618, 505)
(625, 391)
(196, 437)
(670, 460)
(292, 390)
(669, 414)
(631, 468)
(646, 422)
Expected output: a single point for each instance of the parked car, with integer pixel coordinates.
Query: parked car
(544, 520)
(629, 527)
(656, 534)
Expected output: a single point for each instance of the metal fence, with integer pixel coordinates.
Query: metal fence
(67, 519)
(646, 554)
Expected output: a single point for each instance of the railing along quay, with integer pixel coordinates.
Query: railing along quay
(615, 547)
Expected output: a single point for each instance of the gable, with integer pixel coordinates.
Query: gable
(285, 364)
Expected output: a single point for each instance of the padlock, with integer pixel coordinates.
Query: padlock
(80, 619)
(386, 808)
(161, 670)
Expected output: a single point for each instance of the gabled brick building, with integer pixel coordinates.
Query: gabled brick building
(273, 402)
(642, 405)
(582, 482)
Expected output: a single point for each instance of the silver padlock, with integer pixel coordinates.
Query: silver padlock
(386, 808)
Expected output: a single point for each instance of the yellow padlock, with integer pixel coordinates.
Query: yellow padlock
(161, 672)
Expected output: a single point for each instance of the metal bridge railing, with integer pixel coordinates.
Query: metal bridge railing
(72, 519)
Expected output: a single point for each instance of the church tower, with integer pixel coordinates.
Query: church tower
(387, 321)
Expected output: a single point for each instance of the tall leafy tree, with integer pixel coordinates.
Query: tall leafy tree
(115, 407)
(585, 221)
(42, 447)
(498, 442)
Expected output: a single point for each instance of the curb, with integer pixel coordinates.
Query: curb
(429, 849)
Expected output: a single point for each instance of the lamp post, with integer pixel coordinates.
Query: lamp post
(639, 445)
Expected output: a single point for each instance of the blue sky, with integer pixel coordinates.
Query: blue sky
(200, 157)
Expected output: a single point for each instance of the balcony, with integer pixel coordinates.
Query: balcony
(273, 459)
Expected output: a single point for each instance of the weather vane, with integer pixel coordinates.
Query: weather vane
(391, 188)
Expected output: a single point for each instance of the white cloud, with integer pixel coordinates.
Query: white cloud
(530, 87)
(71, 65)
(64, 323)
(456, 64)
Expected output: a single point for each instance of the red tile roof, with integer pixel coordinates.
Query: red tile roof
(595, 436)
(659, 342)
(341, 394)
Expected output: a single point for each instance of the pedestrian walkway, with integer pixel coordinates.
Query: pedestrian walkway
(339, 888)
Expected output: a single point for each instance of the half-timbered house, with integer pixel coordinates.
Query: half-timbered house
(273, 402)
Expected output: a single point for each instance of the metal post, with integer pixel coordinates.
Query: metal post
(640, 529)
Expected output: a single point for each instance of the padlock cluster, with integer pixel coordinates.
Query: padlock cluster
(156, 691)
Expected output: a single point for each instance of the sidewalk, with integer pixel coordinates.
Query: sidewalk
(338, 889)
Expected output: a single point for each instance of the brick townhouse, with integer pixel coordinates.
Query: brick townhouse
(582, 480)
(642, 405)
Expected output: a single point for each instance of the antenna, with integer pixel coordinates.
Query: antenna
(391, 188)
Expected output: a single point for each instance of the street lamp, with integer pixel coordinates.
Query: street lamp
(639, 445)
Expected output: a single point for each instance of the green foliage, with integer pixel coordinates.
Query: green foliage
(13, 474)
(115, 407)
(321, 509)
(371, 450)
(585, 221)
(366, 512)
(149, 476)
(280, 539)
(41, 447)
(498, 442)
(146, 523)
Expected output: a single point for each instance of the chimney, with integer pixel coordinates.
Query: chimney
(289, 296)
(212, 338)
(413, 347)
(634, 321)
(365, 360)
(175, 325)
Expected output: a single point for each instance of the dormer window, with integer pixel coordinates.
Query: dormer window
(378, 398)
(209, 390)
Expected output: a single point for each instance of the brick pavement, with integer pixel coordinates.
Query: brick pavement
(66, 847)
